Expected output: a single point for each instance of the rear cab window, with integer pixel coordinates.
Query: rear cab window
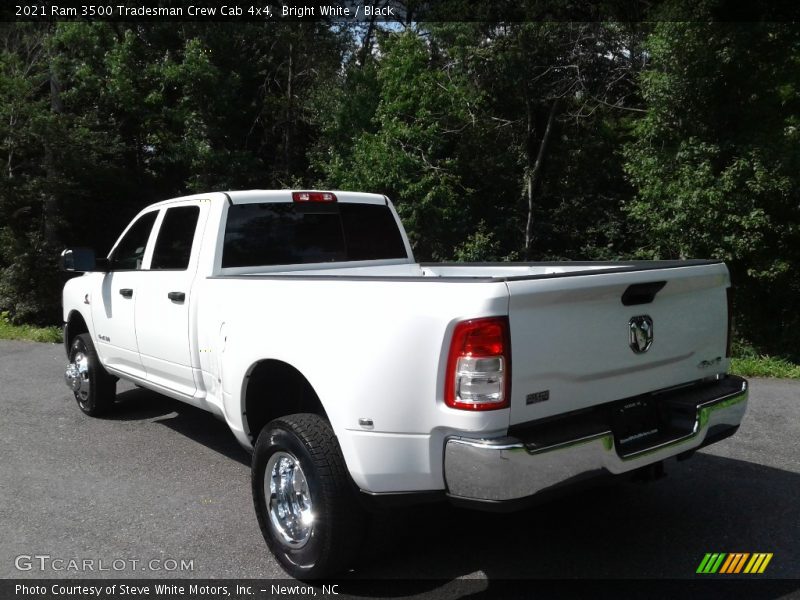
(173, 247)
(287, 233)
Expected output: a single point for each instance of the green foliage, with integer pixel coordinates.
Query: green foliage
(409, 150)
(10, 331)
(455, 130)
(716, 164)
(27, 285)
(97, 120)
(30, 285)
(748, 363)
(584, 73)
(668, 140)
(480, 246)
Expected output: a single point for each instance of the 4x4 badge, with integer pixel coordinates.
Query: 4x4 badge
(641, 333)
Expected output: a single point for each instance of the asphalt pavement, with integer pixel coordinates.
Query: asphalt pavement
(158, 481)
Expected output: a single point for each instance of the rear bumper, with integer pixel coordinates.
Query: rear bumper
(553, 455)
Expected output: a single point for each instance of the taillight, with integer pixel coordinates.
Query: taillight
(479, 365)
(313, 197)
(730, 322)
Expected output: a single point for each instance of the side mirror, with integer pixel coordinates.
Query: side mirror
(82, 260)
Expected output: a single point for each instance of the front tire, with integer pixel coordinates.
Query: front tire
(98, 389)
(307, 508)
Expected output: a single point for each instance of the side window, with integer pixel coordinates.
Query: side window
(174, 242)
(129, 253)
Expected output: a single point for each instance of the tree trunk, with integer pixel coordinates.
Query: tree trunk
(533, 169)
(12, 121)
(50, 207)
(366, 47)
(287, 129)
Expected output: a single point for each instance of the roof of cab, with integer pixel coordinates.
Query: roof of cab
(248, 196)
(252, 196)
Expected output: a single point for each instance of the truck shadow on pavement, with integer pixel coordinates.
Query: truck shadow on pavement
(139, 404)
(626, 530)
(622, 530)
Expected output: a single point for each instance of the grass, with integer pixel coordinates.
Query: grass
(9, 331)
(764, 366)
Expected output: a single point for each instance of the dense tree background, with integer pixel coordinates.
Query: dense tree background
(501, 141)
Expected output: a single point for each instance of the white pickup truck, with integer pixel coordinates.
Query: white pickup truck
(359, 377)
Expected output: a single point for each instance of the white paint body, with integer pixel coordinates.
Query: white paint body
(372, 338)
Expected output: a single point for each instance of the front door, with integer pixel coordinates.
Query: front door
(114, 297)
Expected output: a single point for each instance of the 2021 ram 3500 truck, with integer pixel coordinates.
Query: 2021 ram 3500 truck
(350, 370)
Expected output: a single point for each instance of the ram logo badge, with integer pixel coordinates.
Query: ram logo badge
(641, 333)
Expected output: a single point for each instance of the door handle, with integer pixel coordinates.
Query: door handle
(126, 292)
(176, 296)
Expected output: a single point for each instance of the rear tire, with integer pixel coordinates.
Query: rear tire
(98, 388)
(307, 508)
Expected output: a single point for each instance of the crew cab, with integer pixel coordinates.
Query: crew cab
(357, 376)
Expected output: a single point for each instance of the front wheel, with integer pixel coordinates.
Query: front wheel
(307, 509)
(94, 389)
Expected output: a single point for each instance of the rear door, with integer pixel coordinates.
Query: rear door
(576, 343)
(163, 305)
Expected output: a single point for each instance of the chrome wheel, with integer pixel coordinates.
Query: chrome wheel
(289, 502)
(78, 377)
(94, 389)
(307, 507)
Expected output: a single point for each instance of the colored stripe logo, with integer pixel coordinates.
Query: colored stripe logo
(734, 562)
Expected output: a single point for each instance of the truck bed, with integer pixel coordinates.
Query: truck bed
(486, 271)
(569, 329)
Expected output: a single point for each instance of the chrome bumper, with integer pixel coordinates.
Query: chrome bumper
(508, 468)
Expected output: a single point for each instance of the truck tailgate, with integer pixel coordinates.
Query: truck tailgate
(570, 336)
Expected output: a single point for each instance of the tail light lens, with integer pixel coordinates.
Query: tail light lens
(479, 365)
